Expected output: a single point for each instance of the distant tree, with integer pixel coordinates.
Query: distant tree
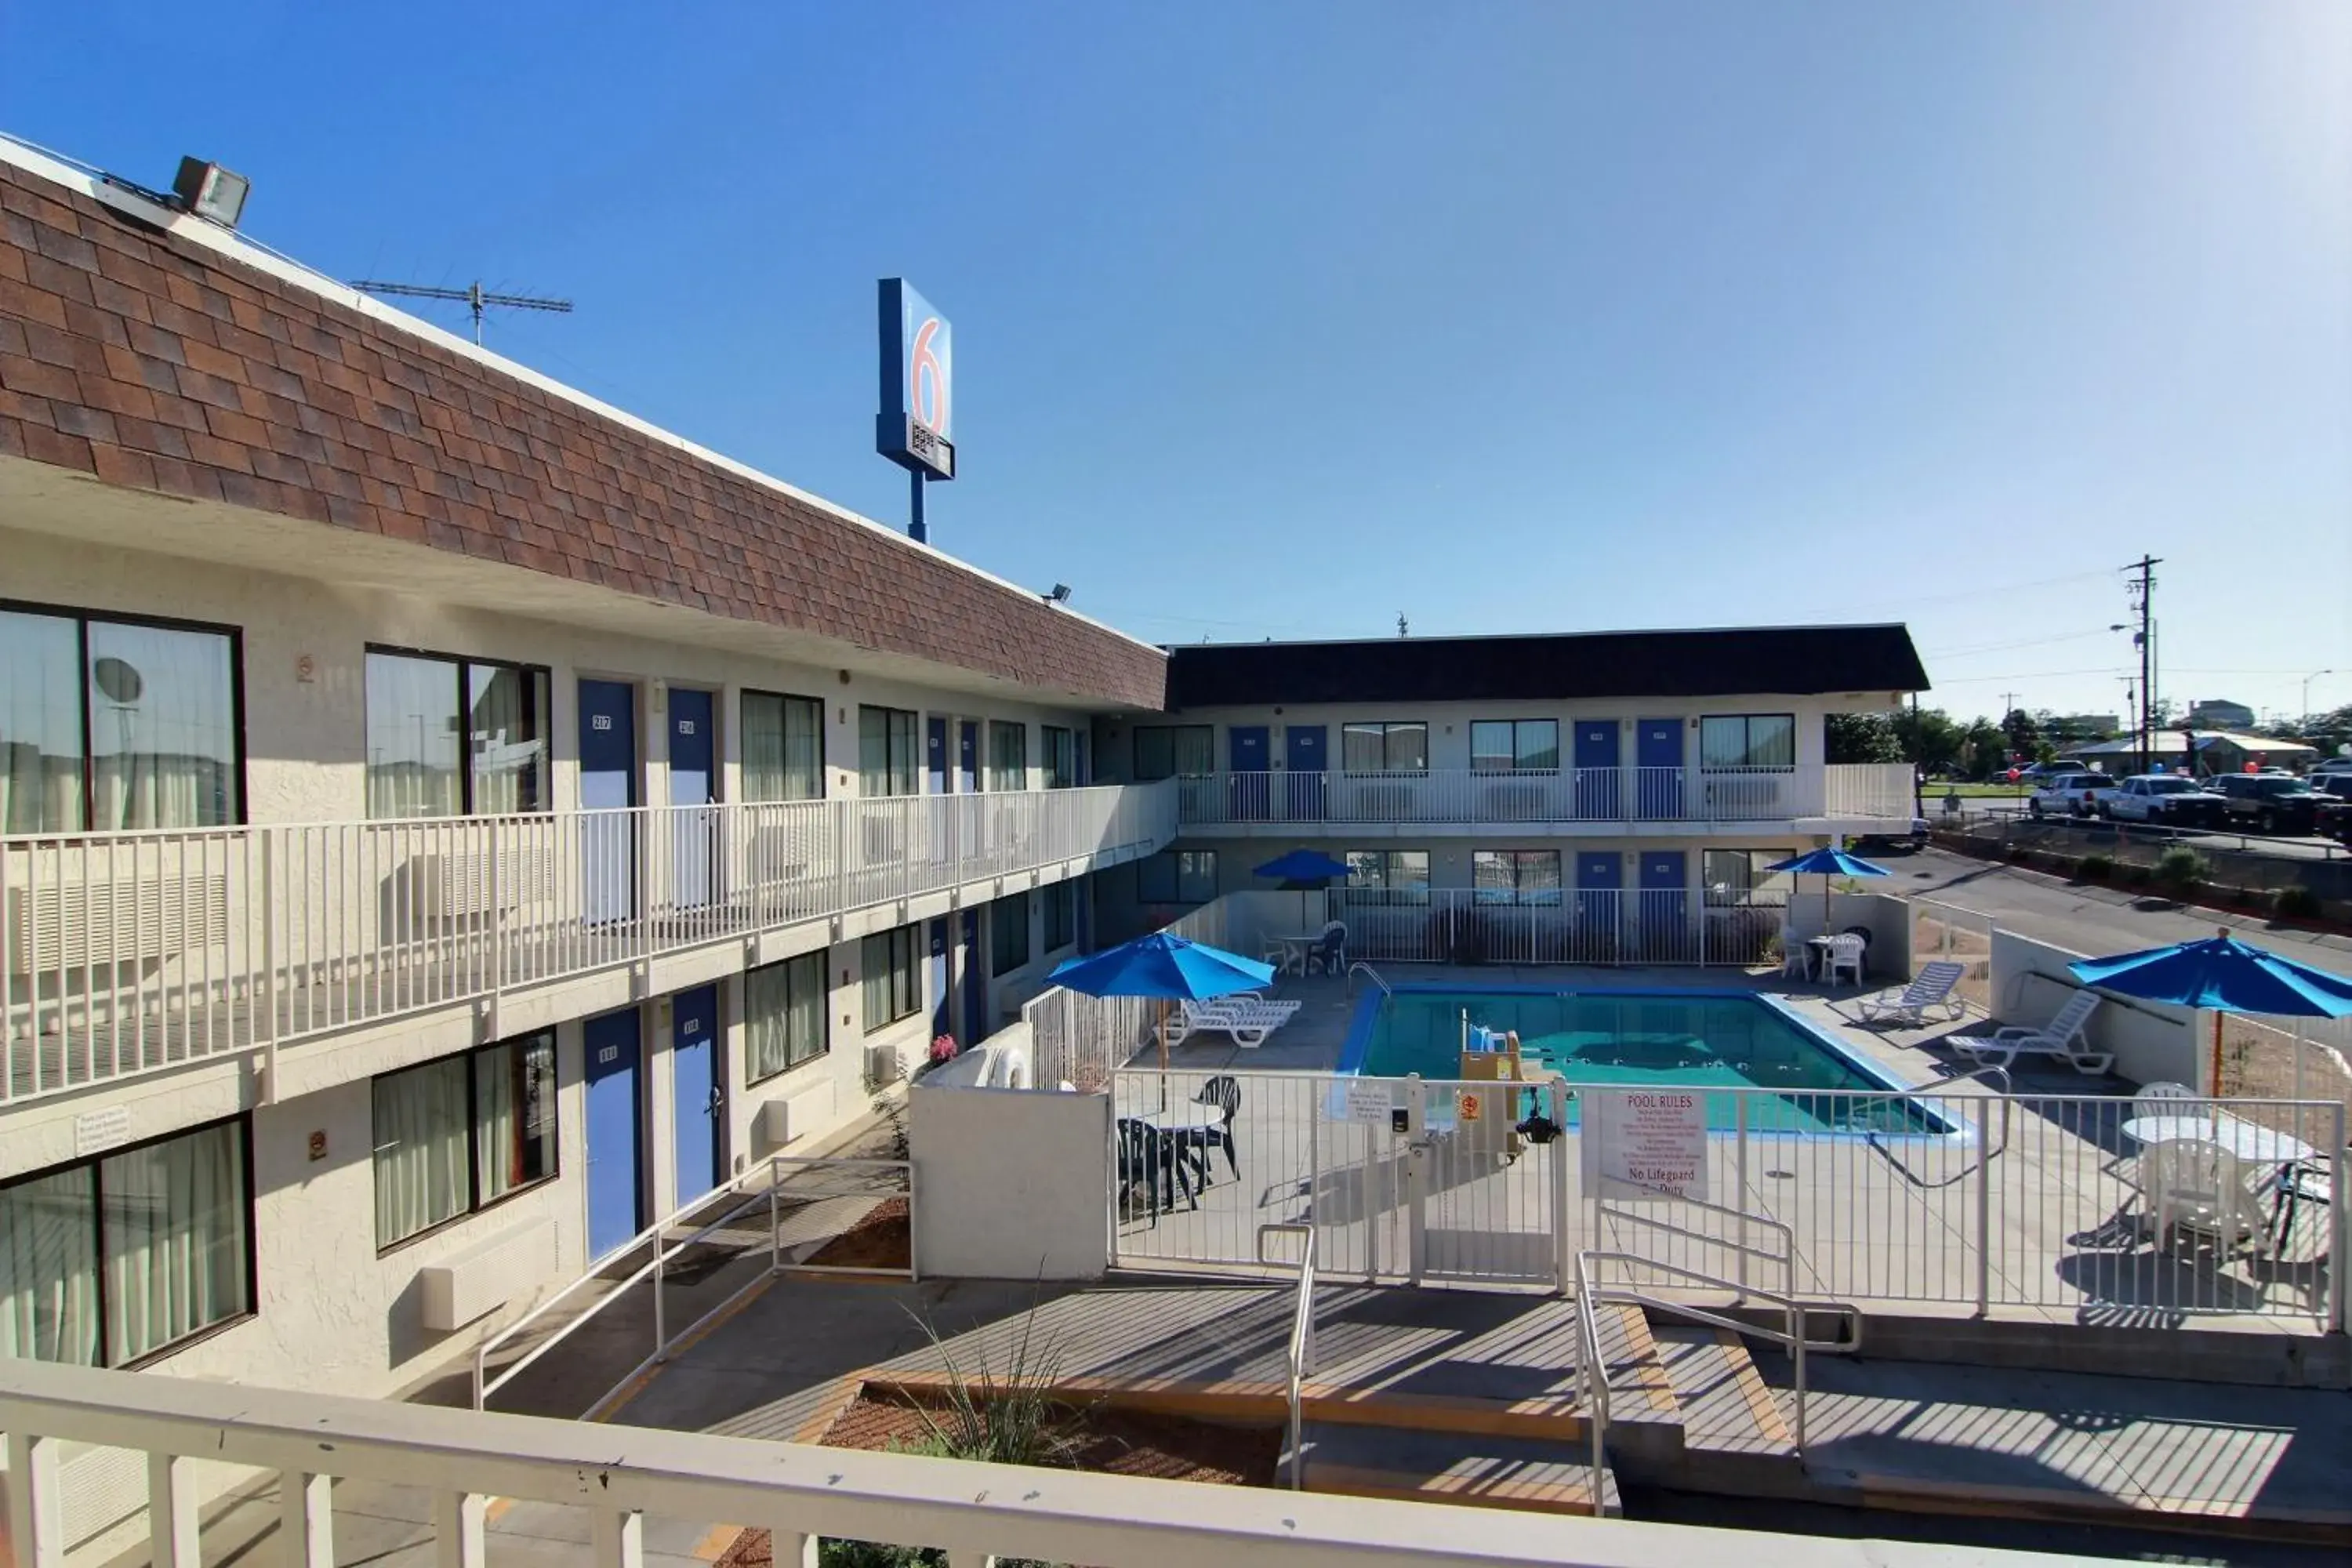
(2328, 731)
(2024, 734)
(1929, 739)
(1861, 737)
(1985, 747)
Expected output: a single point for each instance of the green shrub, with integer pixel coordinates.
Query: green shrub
(2298, 903)
(2180, 867)
(2132, 874)
(2095, 868)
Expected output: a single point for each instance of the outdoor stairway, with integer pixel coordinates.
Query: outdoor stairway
(1736, 1435)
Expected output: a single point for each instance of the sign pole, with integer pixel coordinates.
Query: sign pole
(917, 530)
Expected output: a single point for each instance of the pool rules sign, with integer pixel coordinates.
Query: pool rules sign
(1643, 1142)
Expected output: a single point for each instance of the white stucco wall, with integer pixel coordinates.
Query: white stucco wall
(2152, 1042)
(1010, 1182)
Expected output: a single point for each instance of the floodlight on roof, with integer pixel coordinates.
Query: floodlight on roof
(211, 192)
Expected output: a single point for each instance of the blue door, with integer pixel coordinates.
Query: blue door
(615, 1195)
(1303, 747)
(968, 758)
(935, 979)
(1598, 795)
(697, 1100)
(608, 785)
(1665, 904)
(975, 984)
(1658, 754)
(1599, 892)
(935, 753)
(1246, 761)
(693, 791)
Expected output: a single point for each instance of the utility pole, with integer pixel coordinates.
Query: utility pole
(2143, 593)
(473, 296)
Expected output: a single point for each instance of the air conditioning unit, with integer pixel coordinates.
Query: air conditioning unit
(881, 1065)
(479, 1280)
(778, 1121)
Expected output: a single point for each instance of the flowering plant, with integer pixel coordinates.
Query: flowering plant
(943, 1050)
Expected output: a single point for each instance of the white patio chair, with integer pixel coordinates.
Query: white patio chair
(1930, 990)
(1795, 957)
(2061, 1038)
(2161, 1098)
(1845, 955)
(2201, 1188)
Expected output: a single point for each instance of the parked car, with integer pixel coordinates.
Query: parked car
(2175, 800)
(1916, 838)
(2070, 794)
(2265, 803)
(2332, 817)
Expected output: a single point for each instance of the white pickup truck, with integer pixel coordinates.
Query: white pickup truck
(2070, 794)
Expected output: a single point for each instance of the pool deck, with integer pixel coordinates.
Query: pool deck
(1895, 1223)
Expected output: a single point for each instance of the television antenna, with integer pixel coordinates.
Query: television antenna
(474, 295)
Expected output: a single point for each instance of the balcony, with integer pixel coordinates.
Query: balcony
(129, 953)
(1844, 797)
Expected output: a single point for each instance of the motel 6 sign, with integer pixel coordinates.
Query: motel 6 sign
(914, 429)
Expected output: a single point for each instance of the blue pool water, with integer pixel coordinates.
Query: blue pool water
(1677, 1039)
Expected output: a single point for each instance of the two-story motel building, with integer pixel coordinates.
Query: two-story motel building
(450, 822)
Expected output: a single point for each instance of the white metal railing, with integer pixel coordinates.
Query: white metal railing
(770, 1185)
(126, 953)
(1791, 1338)
(1300, 1351)
(1568, 925)
(1867, 791)
(618, 1475)
(1592, 1380)
(1077, 1039)
(1951, 1194)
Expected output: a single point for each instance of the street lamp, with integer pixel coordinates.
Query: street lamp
(2304, 712)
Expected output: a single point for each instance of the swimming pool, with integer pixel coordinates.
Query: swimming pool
(1682, 1040)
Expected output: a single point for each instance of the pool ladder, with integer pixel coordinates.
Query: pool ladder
(1370, 974)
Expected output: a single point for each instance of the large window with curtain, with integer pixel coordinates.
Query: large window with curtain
(892, 983)
(455, 737)
(783, 747)
(888, 754)
(1515, 746)
(1174, 751)
(1399, 746)
(783, 1016)
(109, 724)
(1388, 875)
(1008, 756)
(456, 1135)
(1514, 875)
(1061, 755)
(118, 1257)
(1732, 877)
(1748, 740)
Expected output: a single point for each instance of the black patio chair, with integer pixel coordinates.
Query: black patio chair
(1224, 1092)
(1148, 1154)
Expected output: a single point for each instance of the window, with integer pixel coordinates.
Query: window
(1061, 916)
(1732, 875)
(1748, 740)
(886, 755)
(1177, 877)
(1008, 934)
(422, 706)
(108, 725)
(456, 1135)
(783, 747)
(1514, 875)
(783, 1016)
(1008, 756)
(1515, 745)
(1388, 876)
(1174, 751)
(1061, 758)
(1399, 748)
(893, 985)
(110, 1259)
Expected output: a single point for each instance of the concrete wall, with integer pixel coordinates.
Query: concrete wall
(1010, 1184)
(2151, 1042)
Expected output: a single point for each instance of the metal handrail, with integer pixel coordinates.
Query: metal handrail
(1595, 1383)
(1792, 1339)
(1301, 1349)
(1370, 974)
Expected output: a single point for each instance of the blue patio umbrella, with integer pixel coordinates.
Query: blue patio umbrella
(1302, 870)
(1162, 964)
(1828, 862)
(2224, 975)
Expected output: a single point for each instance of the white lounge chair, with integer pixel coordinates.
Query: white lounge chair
(1248, 1019)
(2061, 1038)
(1929, 991)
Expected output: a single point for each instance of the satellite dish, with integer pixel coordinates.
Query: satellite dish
(118, 681)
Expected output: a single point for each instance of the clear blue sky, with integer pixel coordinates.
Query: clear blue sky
(1276, 318)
